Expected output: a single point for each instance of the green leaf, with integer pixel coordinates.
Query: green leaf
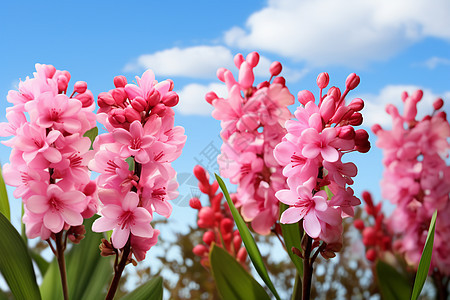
(232, 281)
(425, 260)
(130, 162)
(249, 242)
(393, 285)
(15, 263)
(151, 290)
(4, 203)
(42, 264)
(88, 273)
(292, 238)
(92, 134)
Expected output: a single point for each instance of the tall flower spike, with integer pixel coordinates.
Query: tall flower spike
(252, 120)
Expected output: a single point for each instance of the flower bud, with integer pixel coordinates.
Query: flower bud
(119, 95)
(209, 237)
(371, 255)
(132, 115)
(120, 81)
(172, 85)
(280, 80)
(356, 119)
(334, 92)
(210, 97)
(200, 250)
(362, 141)
(49, 70)
(62, 83)
(347, 133)
(238, 60)
(322, 80)
(242, 255)
(375, 128)
(404, 96)
(195, 203)
(67, 75)
(226, 225)
(237, 240)
(352, 81)
(369, 236)
(252, 59)
(438, 104)
(275, 68)
(139, 104)
(200, 174)
(359, 224)
(206, 215)
(220, 74)
(170, 99)
(118, 115)
(342, 113)
(417, 95)
(246, 76)
(305, 96)
(154, 98)
(263, 85)
(105, 99)
(356, 104)
(80, 87)
(86, 98)
(327, 108)
(159, 109)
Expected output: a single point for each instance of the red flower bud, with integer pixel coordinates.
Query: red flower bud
(80, 87)
(438, 104)
(238, 60)
(86, 99)
(322, 80)
(209, 237)
(154, 98)
(356, 104)
(119, 95)
(132, 115)
(139, 104)
(200, 250)
(275, 68)
(280, 80)
(352, 81)
(305, 96)
(170, 99)
(120, 81)
(252, 59)
(195, 203)
(105, 99)
(359, 224)
(210, 97)
(263, 84)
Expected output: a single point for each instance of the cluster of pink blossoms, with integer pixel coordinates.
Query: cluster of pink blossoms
(48, 162)
(218, 221)
(134, 160)
(417, 179)
(311, 154)
(376, 237)
(252, 120)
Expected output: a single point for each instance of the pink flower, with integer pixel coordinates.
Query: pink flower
(315, 144)
(134, 142)
(125, 219)
(58, 207)
(140, 245)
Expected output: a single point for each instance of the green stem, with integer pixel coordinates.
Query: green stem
(297, 293)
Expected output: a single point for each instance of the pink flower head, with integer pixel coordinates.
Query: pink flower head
(125, 219)
(58, 207)
(134, 142)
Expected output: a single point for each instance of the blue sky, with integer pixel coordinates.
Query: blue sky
(392, 45)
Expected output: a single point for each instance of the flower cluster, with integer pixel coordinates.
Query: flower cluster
(48, 162)
(376, 237)
(417, 179)
(218, 221)
(311, 154)
(252, 120)
(134, 160)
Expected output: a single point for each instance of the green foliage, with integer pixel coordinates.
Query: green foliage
(425, 260)
(292, 236)
(393, 285)
(91, 134)
(4, 203)
(87, 272)
(15, 263)
(151, 290)
(248, 240)
(232, 281)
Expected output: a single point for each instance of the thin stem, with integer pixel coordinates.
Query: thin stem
(297, 293)
(61, 263)
(307, 270)
(118, 269)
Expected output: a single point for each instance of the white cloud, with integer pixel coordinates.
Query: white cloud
(341, 32)
(192, 98)
(435, 61)
(193, 62)
(202, 62)
(374, 108)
